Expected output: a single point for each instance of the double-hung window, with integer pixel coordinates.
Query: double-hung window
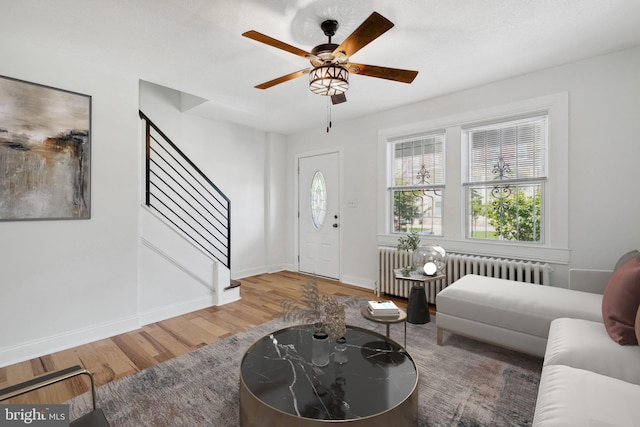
(505, 177)
(417, 186)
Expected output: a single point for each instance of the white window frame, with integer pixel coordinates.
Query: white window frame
(468, 183)
(429, 187)
(555, 242)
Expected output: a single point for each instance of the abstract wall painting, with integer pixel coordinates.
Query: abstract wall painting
(45, 152)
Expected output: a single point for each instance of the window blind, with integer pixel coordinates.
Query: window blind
(419, 161)
(509, 151)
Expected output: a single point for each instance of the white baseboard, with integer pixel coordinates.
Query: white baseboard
(30, 350)
(173, 310)
(240, 274)
(279, 267)
(275, 268)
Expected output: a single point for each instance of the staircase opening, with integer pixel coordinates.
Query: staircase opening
(180, 193)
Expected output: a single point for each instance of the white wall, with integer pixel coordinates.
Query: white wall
(174, 276)
(64, 282)
(278, 228)
(604, 148)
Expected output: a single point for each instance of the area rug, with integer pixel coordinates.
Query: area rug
(462, 383)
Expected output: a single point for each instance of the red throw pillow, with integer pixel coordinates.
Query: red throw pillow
(620, 303)
(638, 325)
(626, 258)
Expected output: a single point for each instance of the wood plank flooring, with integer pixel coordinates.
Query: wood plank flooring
(125, 354)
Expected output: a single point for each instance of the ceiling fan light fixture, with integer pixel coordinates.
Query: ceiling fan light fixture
(329, 80)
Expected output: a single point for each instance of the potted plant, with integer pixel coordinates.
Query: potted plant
(409, 243)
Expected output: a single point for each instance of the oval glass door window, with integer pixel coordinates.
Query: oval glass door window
(318, 200)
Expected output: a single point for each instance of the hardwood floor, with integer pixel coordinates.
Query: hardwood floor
(125, 354)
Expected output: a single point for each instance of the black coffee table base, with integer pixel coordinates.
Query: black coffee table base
(418, 308)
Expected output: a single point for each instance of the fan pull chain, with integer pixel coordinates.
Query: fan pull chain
(328, 113)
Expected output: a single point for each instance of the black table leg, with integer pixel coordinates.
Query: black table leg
(417, 308)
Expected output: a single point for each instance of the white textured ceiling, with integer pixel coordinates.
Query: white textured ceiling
(196, 47)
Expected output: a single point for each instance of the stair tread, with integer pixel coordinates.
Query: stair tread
(233, 284)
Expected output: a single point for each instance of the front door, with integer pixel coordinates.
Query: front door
(318, 215)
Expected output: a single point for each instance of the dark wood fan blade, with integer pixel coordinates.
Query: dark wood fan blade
(259, 37)
(372, 28)
(338, 99)
(395, 74)
(270, 83)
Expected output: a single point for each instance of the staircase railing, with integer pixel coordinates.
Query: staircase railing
(183, 195)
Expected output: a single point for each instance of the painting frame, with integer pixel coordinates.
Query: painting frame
(45, 152)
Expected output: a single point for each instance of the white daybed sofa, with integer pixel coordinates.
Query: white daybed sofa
(588, 379)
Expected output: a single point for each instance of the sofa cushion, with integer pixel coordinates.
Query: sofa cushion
(586, 345)
(620, 303)
(570, 397)
(516, 306)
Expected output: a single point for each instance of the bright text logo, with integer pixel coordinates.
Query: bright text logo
(34, 415)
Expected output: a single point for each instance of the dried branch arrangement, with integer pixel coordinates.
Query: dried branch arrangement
(316, 308)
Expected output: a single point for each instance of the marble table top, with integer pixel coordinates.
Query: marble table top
(378, 376)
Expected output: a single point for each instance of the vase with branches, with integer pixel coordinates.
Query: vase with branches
(325, 312)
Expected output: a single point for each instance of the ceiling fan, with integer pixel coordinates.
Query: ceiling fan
(330, 63)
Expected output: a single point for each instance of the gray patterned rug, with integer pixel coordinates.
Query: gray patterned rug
(462, 383)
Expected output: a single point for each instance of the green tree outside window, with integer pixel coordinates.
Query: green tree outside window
(517, 217)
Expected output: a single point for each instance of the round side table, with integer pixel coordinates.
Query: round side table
(418, 307)
(387, 320)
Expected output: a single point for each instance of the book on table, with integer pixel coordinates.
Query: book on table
(383, 308)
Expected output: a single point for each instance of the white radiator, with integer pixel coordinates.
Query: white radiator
(458, 265)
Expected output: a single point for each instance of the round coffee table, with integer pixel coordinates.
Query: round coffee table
(279, 386)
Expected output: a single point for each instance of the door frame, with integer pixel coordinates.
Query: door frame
(296, 205)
